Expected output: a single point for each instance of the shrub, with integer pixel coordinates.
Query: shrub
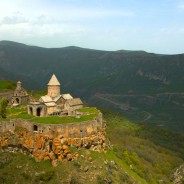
(45, 176)
(26, 176)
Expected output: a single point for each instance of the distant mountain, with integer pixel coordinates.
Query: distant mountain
(146, 87)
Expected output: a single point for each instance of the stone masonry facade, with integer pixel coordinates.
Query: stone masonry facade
(52, 141)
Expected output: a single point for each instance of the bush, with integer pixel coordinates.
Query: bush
(26, 176)
(45, 176)
(100, 180)
(74, 180)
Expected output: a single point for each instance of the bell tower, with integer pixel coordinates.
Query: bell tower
(53, 87)
(19, 85)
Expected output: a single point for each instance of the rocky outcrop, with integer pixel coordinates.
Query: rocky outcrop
(50, 147)
(178, 177)
(151, 76)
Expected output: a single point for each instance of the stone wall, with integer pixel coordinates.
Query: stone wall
(52, 142)
(33, 109)
(7, 95)
(51, 110)
(67, 130)
(53, 91)
(19, 99)
(72, 109)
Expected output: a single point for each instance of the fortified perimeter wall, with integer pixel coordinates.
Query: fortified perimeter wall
(52, 141)
(7, 95)
(67, 130)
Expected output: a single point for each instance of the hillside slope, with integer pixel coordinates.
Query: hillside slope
(143, 86)
(138, 154)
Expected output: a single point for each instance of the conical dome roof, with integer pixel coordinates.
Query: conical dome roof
(53, 81)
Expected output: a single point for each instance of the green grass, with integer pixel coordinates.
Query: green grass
(37, 94)
(6, 86)
(110, 155)
(26, 170)
(18, 112)
(152, 152)
(21, 112)
(64, 119)
(90, 110)
(22, 115)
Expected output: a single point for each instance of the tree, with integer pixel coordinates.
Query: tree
(3, 106)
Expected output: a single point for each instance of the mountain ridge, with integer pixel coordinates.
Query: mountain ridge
(7, 42)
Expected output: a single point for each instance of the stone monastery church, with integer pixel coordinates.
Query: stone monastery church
(54, 103)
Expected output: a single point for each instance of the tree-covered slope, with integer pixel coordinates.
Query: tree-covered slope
(143, 86)
(104, 71)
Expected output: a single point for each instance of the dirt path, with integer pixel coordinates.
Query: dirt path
(108, 100)
(155, 96)
(149, 115)
(123, 106)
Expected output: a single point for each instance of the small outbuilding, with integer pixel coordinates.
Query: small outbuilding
(20, 95)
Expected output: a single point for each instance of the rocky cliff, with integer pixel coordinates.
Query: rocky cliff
(50, 147)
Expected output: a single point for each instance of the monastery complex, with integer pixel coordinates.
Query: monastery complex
(37, 131)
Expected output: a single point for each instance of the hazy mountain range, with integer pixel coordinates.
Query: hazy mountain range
(145, 87)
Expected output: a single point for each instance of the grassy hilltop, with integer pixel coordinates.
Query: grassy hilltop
(138, 154)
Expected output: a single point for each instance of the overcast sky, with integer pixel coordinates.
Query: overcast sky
(150, 25)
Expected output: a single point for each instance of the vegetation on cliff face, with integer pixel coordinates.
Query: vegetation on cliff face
(89, 168)
(152, 152)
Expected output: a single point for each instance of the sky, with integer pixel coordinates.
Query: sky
(154, 26)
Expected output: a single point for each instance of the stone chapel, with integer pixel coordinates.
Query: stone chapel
(54, 103)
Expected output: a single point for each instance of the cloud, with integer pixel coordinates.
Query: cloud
(97, 13)
(13, 20)
(93, 14)
(181, 6)
(60, 13)
(28, 29)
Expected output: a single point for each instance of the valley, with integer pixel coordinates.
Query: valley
(147, 109)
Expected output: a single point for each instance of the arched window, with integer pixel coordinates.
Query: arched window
(38, 111)
(31, 110)
(17, 100)
(35, 128)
